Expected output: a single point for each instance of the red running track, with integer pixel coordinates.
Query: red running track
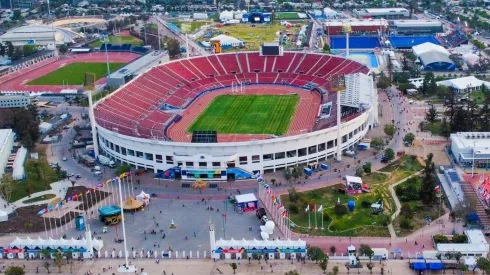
(16, 81)
(302, 122)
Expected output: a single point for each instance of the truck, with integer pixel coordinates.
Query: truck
(364, 144)
(87, 160)
(106, 161)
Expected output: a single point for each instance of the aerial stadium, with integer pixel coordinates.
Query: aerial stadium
(228, 116)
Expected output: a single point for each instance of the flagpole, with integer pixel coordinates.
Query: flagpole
(88, 208)
(64, 216)
(50, 227)
(309, 218)
(45, 228)
(69, 215)
(322, 219)
(316, 224)
(113, 195)
(132, 187)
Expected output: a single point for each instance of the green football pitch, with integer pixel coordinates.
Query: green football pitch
(247, 114)
(74, 73)
(120, 39)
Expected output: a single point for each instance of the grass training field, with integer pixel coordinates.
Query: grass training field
(122, 39)
(254, 36)
(286, 15)
(247, 114)
(74, 73)
(189, 27)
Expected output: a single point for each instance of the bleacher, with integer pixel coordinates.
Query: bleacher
(455, 39)
(145, 107)
(122, 48)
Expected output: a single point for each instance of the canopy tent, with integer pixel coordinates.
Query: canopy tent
(259, 244)
(143, 197)
(247, 202)
(228, 40)
(132, 204)
(435, 266)
(50, 243)
(4, 216)
(419, 266)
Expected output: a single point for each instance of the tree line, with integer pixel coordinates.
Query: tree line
(24, 122)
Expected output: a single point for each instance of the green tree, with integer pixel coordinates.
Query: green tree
(333, 249)
(367, 167)
(431, 115)
(15, 270)
(63, 49)
(58, 261)
(365, 249)
(406, 211)
(17, 15)
(457, 256)
(359, 172)
(445, 128)
(427, 191)
(29, 49)
(10, 49)
(389, 154)
(370, 267)
(47, 265)
(377, 143)
(315, 253)
(483, 264)
(234, 266)
(123, 168)
(17, 54)
(390, 130)
(3, 50)
(173, 47)
(409, 138)
(324, 263)
(292, 272)
(326, 48)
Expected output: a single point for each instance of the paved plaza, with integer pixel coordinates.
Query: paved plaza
(208, 267)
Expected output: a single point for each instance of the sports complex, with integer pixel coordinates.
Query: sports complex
(230, 115)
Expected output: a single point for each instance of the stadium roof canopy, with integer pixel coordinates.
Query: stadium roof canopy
(39, 35)
(417, 23)
(435, 60)
(428, 47)
(356, 22)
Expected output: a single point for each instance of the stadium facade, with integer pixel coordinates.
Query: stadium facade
(140, 135)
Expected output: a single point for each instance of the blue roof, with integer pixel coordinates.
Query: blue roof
(453, 176)
(435, 266)
(419, 266)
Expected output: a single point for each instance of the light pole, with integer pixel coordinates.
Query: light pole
(105, 39)
(127, 268)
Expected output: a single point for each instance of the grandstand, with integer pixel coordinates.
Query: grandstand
(416, 27)
(123, 48)
(375, 26)
(455, 39)
(157, 107)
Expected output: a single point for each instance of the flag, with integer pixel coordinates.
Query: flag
(320, 208)
(93, 190)
(88, 192)
(307, 208)
(437, 188)
(314, 208)
(69, 199)
(42, 211)
(285, 213)
(80, 194)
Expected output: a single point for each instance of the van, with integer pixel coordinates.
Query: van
(97, 173)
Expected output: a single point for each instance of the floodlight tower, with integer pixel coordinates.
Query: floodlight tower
(337, 84)
(347, 29)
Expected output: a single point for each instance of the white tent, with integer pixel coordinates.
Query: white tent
(353, 179)
(18, 172)
(226, 15)
(227, 40)
(143, 197)
(4, 216)
(428, 47)
(249, 244)
(44, 127)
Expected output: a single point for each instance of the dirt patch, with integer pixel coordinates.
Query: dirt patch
(87, 200)
(26, 220)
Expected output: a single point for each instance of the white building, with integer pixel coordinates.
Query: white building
(464, 84)
(359, 91)
(276, 249)
(387, 13)
(6, 145)
(467, 146)
(41, 35)
(45, 127)
(477, 246)
(429, 47)
(14, 101)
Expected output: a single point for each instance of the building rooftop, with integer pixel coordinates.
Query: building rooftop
(462, 247)
(464, 82)
(471, 139)
(476, 237)
(414, 23)
(137, 65)
(384, 10)
(4, 134)
(355, 22)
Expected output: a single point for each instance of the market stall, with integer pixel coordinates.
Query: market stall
(246, 202)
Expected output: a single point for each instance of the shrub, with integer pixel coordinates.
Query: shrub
(293, 195)
(409, 191)
(384, 220)
(440, 239)
(340, 209)
(366, 204)
(406, 223)
(294, 209)
(460, 238)
(406, 211)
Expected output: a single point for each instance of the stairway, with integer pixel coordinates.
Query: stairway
(480, 207)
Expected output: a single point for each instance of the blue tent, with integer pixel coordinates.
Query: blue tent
(435, 266)
(419, 266)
